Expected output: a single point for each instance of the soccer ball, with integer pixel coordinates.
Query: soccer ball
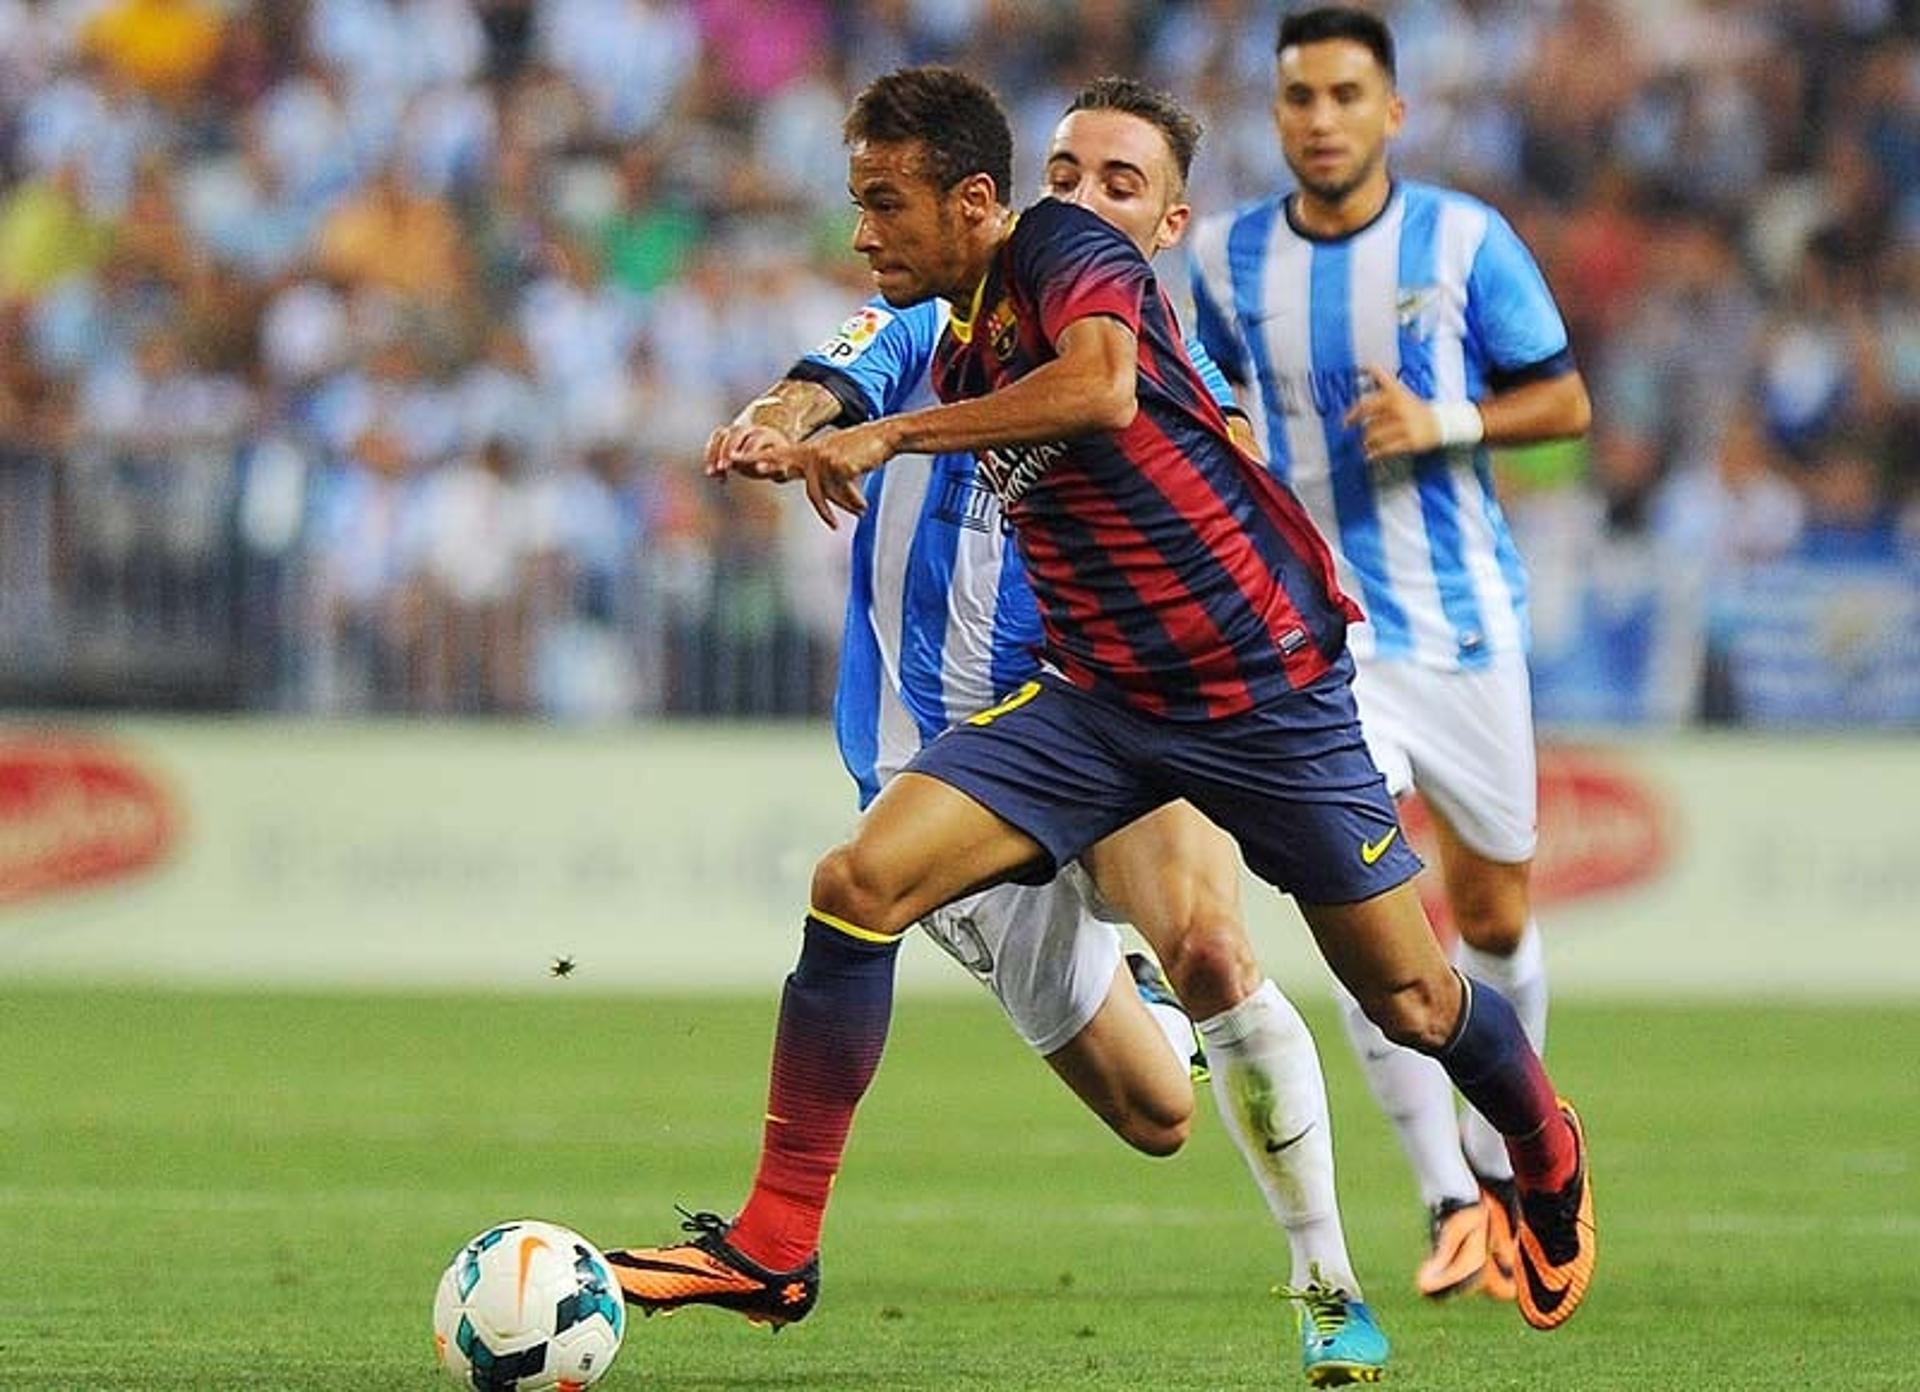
(528, 1307)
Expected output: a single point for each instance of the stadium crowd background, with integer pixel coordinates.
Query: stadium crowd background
(355, 354)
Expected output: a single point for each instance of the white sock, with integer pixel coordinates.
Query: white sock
(1273, 1099)
(1522, 979)
(1417, 1097)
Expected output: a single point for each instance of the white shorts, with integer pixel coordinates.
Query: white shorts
(1464, 740)
(1041, 949)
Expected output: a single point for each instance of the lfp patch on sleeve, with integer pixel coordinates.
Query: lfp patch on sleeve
(855, 336)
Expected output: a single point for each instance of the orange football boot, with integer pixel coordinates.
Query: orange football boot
(1459, 1251)
(708, 1270)
(1499, 1280)
(1555, 1241)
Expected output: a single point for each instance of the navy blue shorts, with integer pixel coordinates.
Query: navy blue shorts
(1292, 783)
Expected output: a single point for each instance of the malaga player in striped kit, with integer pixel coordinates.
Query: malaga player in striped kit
(1387, 332)
(940, 620)
(1195, 641)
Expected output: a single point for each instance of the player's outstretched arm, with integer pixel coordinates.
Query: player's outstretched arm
(787, 411)
(1090, 386)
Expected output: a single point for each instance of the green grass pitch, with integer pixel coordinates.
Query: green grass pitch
(224, 1190)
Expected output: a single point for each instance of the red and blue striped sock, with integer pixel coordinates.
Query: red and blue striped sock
(834, 1015)
(1497, 1070)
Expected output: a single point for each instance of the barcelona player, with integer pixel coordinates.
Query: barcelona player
(1389, 331)
(1195, 646)
(939, 620)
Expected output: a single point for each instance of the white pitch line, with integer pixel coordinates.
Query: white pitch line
(914, 1213)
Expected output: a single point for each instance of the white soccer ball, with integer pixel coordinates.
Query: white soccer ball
(528, 1307)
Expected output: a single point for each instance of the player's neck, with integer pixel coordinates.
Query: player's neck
(965, 296)
(1340, 217)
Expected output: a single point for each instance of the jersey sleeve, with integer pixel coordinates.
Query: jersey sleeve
(876, 360)
(1511, 315)
(1213, 321)
(1075, 265)
(1217, 385)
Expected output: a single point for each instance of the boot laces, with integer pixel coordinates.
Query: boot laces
(1324, 1306)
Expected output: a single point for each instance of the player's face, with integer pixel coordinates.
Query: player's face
(1119, 166)
(912, 232)
(1336, 110)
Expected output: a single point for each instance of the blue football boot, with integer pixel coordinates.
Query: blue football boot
(1339, 1341)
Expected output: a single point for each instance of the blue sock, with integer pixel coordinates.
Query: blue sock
(834, 1016)
(1491, 1061)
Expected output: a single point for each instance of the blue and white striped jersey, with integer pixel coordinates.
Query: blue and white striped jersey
(1440, 290)
(940, 620)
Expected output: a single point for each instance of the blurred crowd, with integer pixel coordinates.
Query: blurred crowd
(360, 351)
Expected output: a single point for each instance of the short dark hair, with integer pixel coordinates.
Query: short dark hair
(955, 119)
(1158, 109)
(1340, 22)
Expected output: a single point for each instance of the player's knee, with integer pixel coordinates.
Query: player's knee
(1211, 965)
(1490, 928)
(1419, 1015)
(1158, 1139)
(1490, 907)
(851, 886)
(1157, 1128)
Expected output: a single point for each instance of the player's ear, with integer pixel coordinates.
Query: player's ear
(1173, 226)
(977, 197)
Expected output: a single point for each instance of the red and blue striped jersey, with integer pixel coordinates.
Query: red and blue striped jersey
(1174, 574)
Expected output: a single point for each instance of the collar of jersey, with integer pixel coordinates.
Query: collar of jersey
(962, 324)
(1334, 238)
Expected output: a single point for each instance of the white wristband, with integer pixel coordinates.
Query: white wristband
(1460, 423)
